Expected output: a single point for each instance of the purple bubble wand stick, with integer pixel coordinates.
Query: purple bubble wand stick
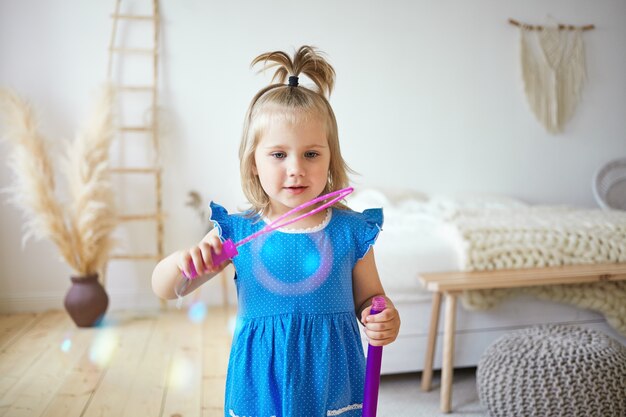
(372, 371)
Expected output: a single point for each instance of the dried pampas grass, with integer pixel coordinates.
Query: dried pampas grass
(82, 228)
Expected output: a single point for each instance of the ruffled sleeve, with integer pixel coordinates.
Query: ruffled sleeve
(221, 220)
(367, 235)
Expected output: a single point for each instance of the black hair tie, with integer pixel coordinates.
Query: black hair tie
(293, 81)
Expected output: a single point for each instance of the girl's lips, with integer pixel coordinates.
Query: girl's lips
(295, 190)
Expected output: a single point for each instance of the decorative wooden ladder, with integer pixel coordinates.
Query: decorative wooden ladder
(147, 95)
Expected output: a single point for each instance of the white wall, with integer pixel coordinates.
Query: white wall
(428, 96)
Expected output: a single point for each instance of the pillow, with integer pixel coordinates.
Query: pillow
(367, 198)
(450, 204)
(388, 198)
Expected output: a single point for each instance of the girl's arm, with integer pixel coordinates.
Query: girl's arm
(168, 272)
(382, 328)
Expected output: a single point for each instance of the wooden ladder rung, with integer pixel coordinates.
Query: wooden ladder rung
(135, 88)
(146, 256)
(139, 217)
(135, 129)
(135, 170)
(133, 17)
(143, 51)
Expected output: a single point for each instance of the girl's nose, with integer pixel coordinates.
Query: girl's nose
(295, 168)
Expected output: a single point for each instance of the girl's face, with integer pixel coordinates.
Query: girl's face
(292, 162)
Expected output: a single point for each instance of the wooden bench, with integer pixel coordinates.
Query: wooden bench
(451, 284)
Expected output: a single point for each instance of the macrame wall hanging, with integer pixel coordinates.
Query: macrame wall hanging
(553, 70)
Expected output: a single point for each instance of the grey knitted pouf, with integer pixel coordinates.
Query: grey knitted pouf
(553, 371)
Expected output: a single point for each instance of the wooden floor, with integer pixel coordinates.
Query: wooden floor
(134, 364)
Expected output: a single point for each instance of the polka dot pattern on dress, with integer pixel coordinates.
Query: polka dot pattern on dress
(297, 350)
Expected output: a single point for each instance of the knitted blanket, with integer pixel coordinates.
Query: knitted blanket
(547, 236)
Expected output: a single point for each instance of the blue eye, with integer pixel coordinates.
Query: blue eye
(279, 155)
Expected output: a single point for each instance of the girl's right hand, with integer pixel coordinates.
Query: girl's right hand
(200, 257)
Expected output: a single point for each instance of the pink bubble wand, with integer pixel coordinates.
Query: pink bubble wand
(229, 249)
(372, 370)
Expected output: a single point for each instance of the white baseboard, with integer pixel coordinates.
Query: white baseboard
(31, 302)
(53, 300)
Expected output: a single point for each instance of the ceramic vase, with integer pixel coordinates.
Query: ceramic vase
(86, 301)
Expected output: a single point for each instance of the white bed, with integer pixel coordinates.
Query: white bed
(416, 238)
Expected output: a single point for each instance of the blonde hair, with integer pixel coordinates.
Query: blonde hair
(291, 103)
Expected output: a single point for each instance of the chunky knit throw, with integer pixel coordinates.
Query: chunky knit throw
(553, 371)
(540, 236)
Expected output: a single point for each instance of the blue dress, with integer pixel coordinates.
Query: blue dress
(296, 349)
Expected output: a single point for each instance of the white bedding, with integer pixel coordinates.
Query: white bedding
(416, 236)
(421, 244)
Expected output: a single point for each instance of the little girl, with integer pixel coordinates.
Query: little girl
(296, 350)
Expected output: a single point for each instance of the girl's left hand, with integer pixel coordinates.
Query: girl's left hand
(382, 328)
